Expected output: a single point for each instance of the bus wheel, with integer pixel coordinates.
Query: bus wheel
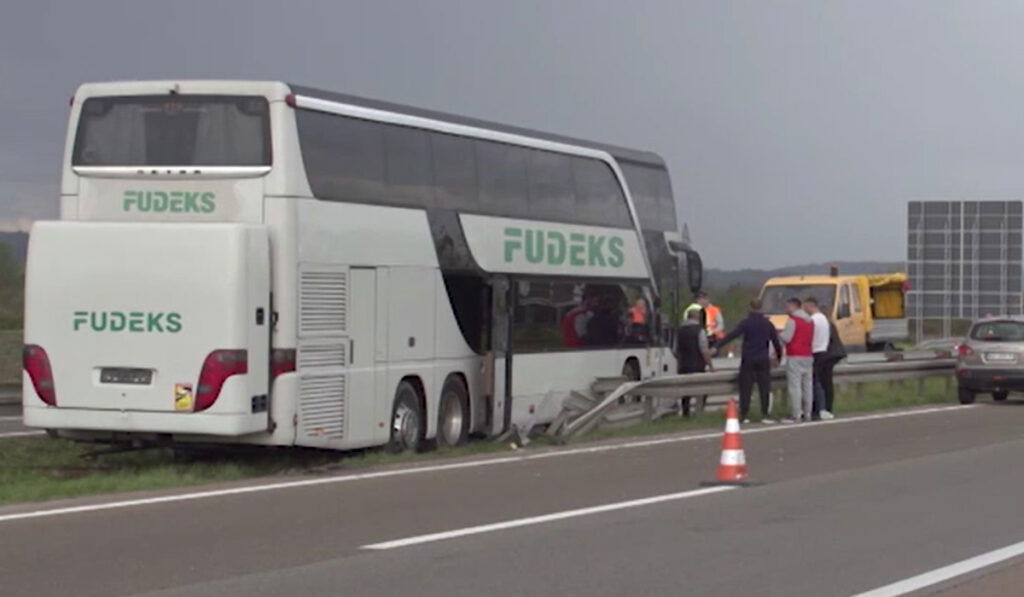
(453, 415)
(631, 370)
(406, 420)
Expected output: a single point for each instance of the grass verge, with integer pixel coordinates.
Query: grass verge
(39, 468)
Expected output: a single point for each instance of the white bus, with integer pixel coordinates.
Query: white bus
(265, 263)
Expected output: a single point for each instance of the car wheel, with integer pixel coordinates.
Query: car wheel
(406, 420)
(1000, 396)
(453, 414)
(966, 396)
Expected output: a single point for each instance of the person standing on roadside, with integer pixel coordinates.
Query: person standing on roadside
(759, 336)
(693, 354)
(715, 323)
(819, 346)
(700, 305)
(798, 336)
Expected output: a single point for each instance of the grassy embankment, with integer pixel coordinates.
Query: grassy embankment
(40, 468)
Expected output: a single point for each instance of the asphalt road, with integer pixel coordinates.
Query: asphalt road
(842, 508)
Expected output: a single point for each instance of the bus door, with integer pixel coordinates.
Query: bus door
(502, 305)
(336, 356)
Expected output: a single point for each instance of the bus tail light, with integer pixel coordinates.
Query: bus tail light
(282, 360)
(36, 363)
(217, 368)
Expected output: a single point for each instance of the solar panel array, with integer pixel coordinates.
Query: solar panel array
(964, 259)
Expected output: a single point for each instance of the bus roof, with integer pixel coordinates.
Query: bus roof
(276, 90)
(273, 90)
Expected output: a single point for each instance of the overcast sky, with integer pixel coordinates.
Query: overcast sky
(794, 131)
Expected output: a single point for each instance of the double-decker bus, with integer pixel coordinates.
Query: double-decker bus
(265, 263)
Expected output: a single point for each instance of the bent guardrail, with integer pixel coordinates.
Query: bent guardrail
(725, 383)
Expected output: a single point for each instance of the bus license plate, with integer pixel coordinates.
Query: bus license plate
(125, 375)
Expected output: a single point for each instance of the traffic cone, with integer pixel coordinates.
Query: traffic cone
(732, 467)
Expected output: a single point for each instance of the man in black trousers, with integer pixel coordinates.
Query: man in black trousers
(758, 334)
(693, 354)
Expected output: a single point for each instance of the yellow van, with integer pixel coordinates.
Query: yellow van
(868, 310)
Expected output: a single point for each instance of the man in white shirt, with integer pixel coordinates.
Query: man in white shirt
(819, 346)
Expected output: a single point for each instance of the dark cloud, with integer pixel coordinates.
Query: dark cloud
(795, 131)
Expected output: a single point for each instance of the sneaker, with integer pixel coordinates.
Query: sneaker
(827, 416)
(768, 421)
(788, 421)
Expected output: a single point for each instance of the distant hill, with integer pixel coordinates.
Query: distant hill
(18, 241)
(754, 278)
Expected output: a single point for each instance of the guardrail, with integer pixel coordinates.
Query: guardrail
(726, 383)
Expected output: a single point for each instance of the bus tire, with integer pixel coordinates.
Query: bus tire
(1000, 396)
(407, 420)
(453, 413)
(631, 369)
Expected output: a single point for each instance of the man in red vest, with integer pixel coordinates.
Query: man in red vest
(798, 336)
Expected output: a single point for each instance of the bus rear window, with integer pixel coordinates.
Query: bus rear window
(998, 331)
(173, 130)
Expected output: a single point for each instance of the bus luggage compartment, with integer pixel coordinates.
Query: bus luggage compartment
(146, 327)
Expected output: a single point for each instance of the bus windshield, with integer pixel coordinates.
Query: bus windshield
(774, 297)
(173, 130)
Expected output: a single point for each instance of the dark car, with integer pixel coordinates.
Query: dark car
(990, 360)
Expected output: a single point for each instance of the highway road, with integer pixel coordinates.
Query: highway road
(842, 508)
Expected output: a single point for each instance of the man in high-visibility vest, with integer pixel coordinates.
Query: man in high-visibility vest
(700, 303)
(715, 325)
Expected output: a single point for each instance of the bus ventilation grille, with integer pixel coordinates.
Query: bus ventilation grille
(322, 406)
(323, 302)
(321, 355)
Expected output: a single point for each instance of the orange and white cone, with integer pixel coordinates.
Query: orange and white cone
(732, 467)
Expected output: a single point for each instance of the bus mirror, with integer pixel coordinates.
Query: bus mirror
(694, 271)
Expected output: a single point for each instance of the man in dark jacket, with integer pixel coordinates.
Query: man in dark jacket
(693, 354)
(755, 361)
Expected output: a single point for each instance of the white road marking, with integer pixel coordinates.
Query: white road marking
(183, 497)
(522, 522)
(934, 577)
(18, 418)
(20, 434)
